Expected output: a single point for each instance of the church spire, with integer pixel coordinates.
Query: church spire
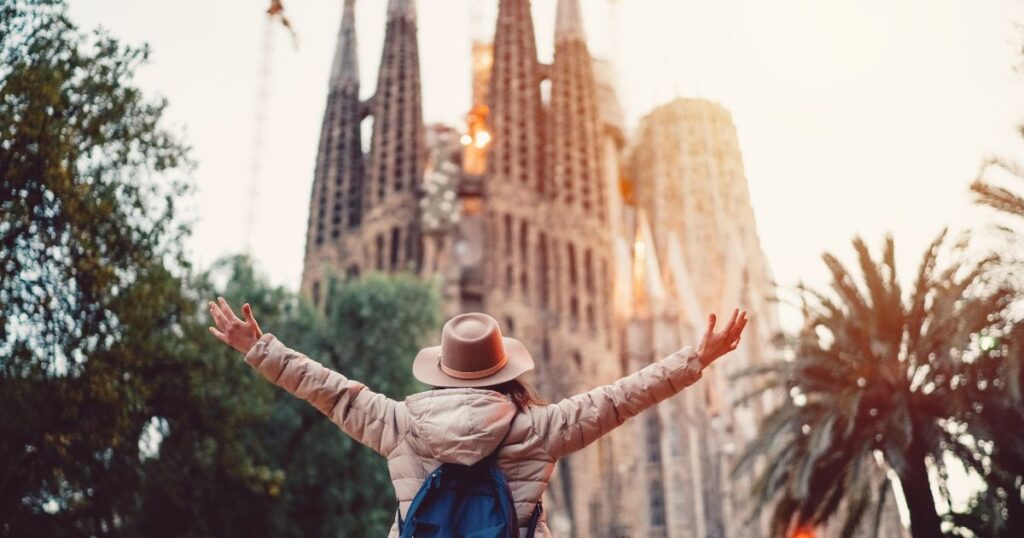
(402, 8)
(336, 201)
(569, 22)
(516, 114)
(397, 152)
(345, 68)
(575, 126)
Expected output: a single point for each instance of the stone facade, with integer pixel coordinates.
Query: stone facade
(600, 251)
(690, 185)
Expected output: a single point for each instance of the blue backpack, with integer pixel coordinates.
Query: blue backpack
(460, 501)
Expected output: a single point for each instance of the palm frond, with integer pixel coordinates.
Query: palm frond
(996, 197)
(881, 495)
(772, 431)
(922, 287)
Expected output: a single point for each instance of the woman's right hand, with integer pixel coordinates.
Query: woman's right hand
(241, 335)
(715, 344)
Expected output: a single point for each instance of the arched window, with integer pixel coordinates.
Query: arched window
(588, 267)
(656, 497)
(573, 273)
(542, 269)
(524, 259)
(574, 303)
(396, 242)
(509, 253)
(652, 436)
(380, 252)
(508, 235)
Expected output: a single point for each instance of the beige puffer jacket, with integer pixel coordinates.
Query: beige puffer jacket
(465, 425)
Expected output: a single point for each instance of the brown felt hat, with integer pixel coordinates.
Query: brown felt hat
(473, 353)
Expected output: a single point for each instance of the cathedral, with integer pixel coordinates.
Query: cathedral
(600, 248)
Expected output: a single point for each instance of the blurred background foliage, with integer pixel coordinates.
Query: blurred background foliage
(884, 381)
(885, 389)
(121, 415)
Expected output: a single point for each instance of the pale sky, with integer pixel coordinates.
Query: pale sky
(854, 116)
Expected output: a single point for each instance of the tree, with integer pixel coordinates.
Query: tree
(242, 457)
(877, 376)
(371, 329)
(122, 415)
(1001, 506)
(88, 179)
(213, 469)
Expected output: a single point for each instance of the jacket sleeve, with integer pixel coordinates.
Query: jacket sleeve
(577, 421)
(370, 418)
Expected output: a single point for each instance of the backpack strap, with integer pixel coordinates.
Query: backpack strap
(531, 527)
(431, 482)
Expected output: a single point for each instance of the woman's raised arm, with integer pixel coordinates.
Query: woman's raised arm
(577, 421)
(370, 418)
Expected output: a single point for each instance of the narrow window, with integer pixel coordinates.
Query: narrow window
(524, 259)
(396, 241)
(652, 431)
(380, 252)
(572, 264)
(508, 235)
(588, 267)
(542, 269)
(657, 500)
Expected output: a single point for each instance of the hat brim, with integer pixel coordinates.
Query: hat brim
(426, 369)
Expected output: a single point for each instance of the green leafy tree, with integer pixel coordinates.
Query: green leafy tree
(88, 179)
(241, 457)
(215, 471)
(877, 374)
(370, 330)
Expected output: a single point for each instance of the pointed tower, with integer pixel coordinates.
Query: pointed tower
(577, 180)
(575, 125)
(516, 280)
(336, 211)
(397, 154)
(516, 114)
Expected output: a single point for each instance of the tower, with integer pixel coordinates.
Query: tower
(363, 211)
(576, 178)
(574, 124)
(581, 241)
(395, 166)
(336, 211)
(515, 271)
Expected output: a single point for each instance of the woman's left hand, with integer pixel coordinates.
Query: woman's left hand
(241, 335)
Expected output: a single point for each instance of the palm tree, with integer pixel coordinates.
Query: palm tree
(1003, 503)
(876, 381)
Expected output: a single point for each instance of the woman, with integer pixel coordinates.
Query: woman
(483, 408)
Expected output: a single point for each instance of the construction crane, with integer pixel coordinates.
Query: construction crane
(274, 15)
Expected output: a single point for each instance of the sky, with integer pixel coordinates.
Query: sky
(854, 116)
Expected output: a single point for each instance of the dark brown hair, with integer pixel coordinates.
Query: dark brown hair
(521, 394)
